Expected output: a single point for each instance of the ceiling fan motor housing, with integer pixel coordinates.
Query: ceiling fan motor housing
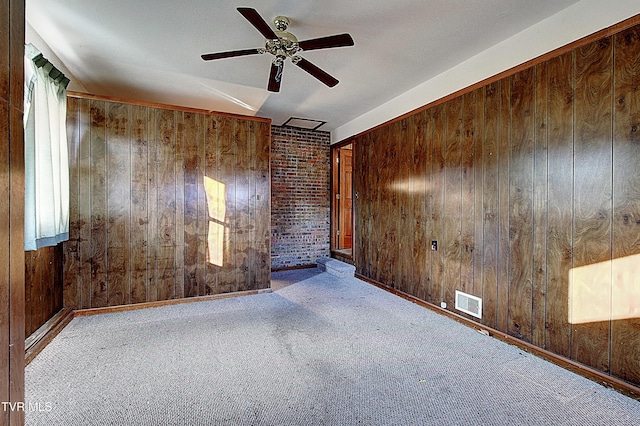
(281, 23)
(286, 45)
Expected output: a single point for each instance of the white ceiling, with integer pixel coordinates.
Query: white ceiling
(149, 50)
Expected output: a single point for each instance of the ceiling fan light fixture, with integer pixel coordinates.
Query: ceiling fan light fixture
(278, 61)
(282, 45)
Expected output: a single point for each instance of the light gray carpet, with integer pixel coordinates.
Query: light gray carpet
(317, 351)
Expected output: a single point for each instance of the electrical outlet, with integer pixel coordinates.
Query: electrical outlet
(443, 305)
(434, 245)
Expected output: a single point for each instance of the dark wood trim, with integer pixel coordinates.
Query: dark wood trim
(335, 188)
(334, 185)
(81, 95)
(12, 265)
(40, 338)
(157, 304)
(581, 369)
(609, 31)
(339, 252)
(343, 143)
(293, 268)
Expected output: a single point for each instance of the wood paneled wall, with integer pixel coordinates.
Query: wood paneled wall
(43, 286)
(530, 185)
(165, 204)
(12, 18)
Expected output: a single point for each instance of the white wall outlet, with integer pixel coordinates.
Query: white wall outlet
(443, 305)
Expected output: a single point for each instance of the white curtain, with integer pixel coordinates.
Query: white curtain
(46, 154)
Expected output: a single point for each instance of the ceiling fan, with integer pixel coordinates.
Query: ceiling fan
(282, 45)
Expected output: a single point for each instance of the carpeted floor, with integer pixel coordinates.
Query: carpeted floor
(317, 351)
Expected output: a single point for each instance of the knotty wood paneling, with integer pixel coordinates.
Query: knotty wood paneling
(371, 257)
(467, 199)
(179, 202)
(252, 259)
(417, 273)
(70, 250)
(388, 249)
(450, 245)
(625, 338)
(393, 199)
(34, 276)
(262, 179)
(540, 170)
(592, 195)
(140, 206)
(530, 186)
(358, 218)
(428, 204)
(559, 203)
(243, 133)
(478, 237)
(192, 125)
(504, 151)
(381, 217)
(404, 231)
(363, 217)
(165, 207)
(84, 202)
(118, 146)
(151, 292)
(437, 182)
(98, 199)
(43, 286)
(490, 205)
(211, 224)
(225, 173)
(521, 205)
(202, 222)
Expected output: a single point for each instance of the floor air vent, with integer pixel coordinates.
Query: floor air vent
(469, 304)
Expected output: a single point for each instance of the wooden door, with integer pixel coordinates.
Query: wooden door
(346, 199)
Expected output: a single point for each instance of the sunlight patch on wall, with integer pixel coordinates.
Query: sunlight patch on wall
(411, 185)
(593, 297)
(215, 192)
(215, 241)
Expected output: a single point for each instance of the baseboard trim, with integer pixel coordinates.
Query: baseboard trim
(145, 305)
(40, 338)
(590, 373)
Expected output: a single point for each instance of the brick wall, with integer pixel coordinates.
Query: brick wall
(300, 193)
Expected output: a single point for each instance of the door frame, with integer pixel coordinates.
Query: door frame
(335, 189)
